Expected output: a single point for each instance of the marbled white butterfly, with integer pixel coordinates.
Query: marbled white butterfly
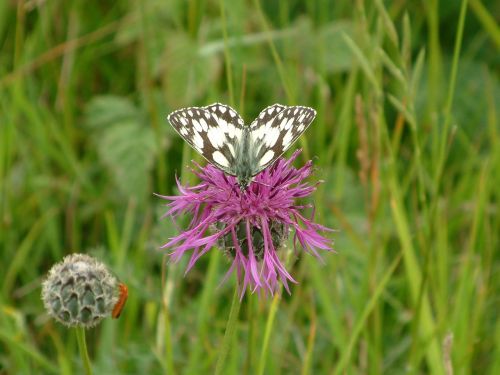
(218, 133)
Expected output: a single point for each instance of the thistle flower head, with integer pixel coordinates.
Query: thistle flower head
(251, 226)
(80, 291)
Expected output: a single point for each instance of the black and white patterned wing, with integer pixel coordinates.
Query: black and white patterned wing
(275, 130)
(267, 114)
(214, 131)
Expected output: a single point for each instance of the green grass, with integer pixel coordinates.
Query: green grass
(406, 141)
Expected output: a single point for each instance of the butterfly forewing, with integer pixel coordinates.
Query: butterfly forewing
(267, 114)
(214, 131)
(274, 131)
(218, 133)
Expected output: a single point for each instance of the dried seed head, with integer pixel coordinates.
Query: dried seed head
(278, 235)
(80, 291)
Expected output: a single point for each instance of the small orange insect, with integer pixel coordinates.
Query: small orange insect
(117, 310)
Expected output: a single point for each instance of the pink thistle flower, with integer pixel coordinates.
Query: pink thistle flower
(250, 225)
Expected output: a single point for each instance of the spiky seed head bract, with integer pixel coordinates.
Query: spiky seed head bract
(279, 235)
(80, 291)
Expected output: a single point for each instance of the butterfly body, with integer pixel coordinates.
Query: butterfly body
(218, 133)
(245, 160)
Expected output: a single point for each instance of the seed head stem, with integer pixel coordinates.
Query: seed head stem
(82, 345)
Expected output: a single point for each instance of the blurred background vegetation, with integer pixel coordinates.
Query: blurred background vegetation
(406, 142)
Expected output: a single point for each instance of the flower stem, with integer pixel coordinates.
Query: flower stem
(267, 333)
(82, 345)
(229, 334)
(251, 333)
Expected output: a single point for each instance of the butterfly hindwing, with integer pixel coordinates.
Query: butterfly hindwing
(214, 131)
(274, 131)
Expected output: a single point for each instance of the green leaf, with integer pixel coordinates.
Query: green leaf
(109, 110)
(124, 143)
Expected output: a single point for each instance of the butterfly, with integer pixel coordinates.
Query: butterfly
(219, 134)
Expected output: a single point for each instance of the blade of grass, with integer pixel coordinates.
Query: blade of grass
(306, 366)
(360, 324)
(442, 150)
(28, 351)
(426, 326)
(22, 254)
(471, 290)
(204, 305)
(365, 65)
(227, 56)
(267, 333)
(229, 333)
(59, 50)
(487, 20)
(275, 54)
